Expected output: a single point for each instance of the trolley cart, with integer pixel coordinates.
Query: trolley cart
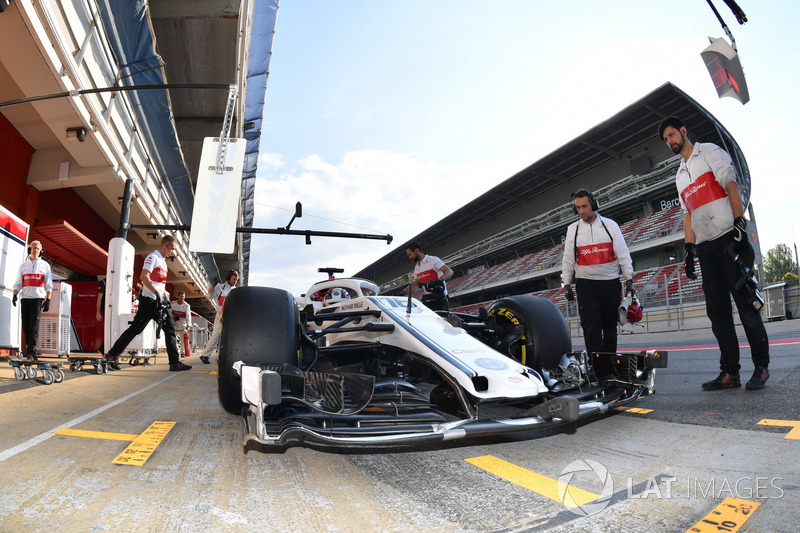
(99, 362)
(138, 358)
(51, 371)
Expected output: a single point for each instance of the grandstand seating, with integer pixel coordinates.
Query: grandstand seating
(631, 228)
(659, 224)
(649, 283)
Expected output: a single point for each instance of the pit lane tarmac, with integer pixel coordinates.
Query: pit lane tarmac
(145, 449)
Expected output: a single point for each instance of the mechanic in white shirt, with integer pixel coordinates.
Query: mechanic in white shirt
(151, 302)
(595, 252)
(218, 294)
(715, 228)
(182, 313)
(430, 273)
(34, 286)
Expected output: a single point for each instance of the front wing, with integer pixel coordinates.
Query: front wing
(329, 416)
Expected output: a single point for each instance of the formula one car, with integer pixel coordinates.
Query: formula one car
(349, 368)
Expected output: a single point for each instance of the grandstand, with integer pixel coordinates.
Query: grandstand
(509, 240)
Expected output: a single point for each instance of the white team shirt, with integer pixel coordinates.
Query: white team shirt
(34, 279)
(183, 314)
(701, 183)
(220, 292)
(599, 256)
(157, 266)
(428, 270)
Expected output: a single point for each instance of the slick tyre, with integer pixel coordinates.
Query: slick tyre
(260, 325)
(541, 334)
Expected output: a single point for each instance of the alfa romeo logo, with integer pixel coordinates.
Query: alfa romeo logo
(575, 499)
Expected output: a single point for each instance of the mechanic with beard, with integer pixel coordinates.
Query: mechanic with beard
(595, 252)
(430, 273)
(714, 224)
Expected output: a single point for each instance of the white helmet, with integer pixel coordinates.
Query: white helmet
(336, 294)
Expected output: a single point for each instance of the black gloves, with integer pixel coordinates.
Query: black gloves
(740, 242)
(568, 294)
(629, 290)
(14, 300)
(688, 265)
(46, 305)
(435, 286)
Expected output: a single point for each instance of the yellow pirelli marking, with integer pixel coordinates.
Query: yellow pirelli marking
(144, 445)
(730, 515)
(794, 434)
(95, 434)
(537, 483)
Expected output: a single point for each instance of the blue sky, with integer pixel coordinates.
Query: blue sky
(385, 116)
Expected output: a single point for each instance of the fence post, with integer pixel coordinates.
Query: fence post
(681, 317)
(666, 295)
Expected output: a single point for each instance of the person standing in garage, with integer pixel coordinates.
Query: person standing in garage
(182, 312)
(34, 286)
(594, 252)
(218, 294)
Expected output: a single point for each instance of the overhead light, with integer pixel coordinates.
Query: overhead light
(153, 236)
(77, 134)
(722, 62)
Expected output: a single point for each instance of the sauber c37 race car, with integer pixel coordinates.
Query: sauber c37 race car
(349, 368)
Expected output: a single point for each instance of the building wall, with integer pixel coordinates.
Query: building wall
(16, 154)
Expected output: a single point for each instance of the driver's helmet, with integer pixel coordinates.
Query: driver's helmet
(635, 311)
(334, 295)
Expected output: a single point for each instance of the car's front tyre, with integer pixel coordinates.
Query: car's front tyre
(260, 325)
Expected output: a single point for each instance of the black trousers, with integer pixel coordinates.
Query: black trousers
(146, 312)
(720, 275)
(31, 309)
(598, 305)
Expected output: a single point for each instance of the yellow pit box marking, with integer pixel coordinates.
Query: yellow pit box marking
(730, 515)
(143, 446)
(794, 434)
(537, 483)
(637, 410)
(95, 434)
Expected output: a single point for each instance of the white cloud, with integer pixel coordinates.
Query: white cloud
(367, 192)
(270, 161)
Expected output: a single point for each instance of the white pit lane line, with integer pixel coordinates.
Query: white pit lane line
(30, 443)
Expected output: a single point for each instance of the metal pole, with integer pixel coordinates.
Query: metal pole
(681, 311)
(270, 231)
(125, 213)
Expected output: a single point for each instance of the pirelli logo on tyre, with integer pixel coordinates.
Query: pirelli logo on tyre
(505, 313)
